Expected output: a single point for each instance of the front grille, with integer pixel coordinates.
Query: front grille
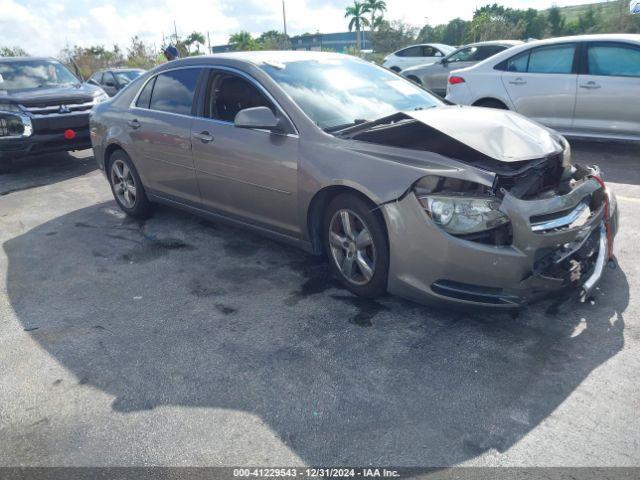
(59, 108)
(574, 217)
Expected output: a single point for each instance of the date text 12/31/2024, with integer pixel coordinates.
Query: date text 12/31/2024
(316, 472)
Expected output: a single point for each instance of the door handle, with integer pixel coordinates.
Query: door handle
(204, 137)
(517, 81)
(134, 123)
(590, 85)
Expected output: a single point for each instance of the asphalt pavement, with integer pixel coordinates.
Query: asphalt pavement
(178, 341)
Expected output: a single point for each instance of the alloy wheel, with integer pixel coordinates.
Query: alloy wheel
(352, 247)
(124, 184)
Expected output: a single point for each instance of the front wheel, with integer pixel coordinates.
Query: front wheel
(127, 187)
(356, 242)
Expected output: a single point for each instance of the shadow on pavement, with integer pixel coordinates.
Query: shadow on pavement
(41, 170)
(177, 311)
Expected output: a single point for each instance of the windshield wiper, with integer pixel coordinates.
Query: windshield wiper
(361, 127)
(337, 128)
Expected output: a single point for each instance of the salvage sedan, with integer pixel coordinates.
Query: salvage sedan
(340, 157)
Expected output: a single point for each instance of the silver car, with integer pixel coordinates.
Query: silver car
(433, 76)
(583, 86)
(340, 157)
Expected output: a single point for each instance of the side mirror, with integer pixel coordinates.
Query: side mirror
(258, 117)
(443, 62)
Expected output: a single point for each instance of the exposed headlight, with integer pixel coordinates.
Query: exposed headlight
(462, 215)
(14, 125)
(10, 107)
(101, 97)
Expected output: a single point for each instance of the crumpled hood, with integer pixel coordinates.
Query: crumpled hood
(503, 135)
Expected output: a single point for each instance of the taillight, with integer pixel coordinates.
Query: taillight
(453, 80)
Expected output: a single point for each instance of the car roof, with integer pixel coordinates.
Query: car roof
(120, 70)
(501, 56)
(27, 59)
(493, 42)
(267, 56)
(436, 45)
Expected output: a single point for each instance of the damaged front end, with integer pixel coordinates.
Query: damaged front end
(542, 227)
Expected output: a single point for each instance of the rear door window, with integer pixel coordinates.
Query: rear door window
(410, 52)
(613, 60)
(173, 91)
(552, 59)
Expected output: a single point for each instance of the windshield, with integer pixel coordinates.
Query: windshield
(125, 77)
(338, 92)
(23, 75)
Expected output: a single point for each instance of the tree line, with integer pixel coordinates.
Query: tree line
(490, 22)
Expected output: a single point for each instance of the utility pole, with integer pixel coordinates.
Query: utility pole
(284, 17)
(175, 30)
(208, 44)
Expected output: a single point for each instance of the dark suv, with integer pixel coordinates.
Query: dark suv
(43, 108)
(115, 79)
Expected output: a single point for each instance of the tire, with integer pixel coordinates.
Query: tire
(6, 165)
(342, 248)
(491, 103)
(132, 202)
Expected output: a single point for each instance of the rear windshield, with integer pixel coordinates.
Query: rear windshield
(24, 75)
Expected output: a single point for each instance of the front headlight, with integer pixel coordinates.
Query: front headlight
(462, 215)
(10, 107)
(101, 97)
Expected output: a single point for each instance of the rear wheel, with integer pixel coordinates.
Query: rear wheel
(491, 103)
(127, 187)
(357, 246)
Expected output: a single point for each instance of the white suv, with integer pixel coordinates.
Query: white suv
(587, 86)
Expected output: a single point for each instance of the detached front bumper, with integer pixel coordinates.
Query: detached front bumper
(544, 257)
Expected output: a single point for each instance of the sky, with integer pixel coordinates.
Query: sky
(46, 27)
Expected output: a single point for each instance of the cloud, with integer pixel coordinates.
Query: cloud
(44, 27)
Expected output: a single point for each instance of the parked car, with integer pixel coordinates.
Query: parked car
(43, 108)
(115, 79)
(434, 76)
(338, 156)
(583, 86)
(416, 55)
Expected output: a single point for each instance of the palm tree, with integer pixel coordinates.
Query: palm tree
(242, 41)
(356, 12)
(373, 7)
(194, 37)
